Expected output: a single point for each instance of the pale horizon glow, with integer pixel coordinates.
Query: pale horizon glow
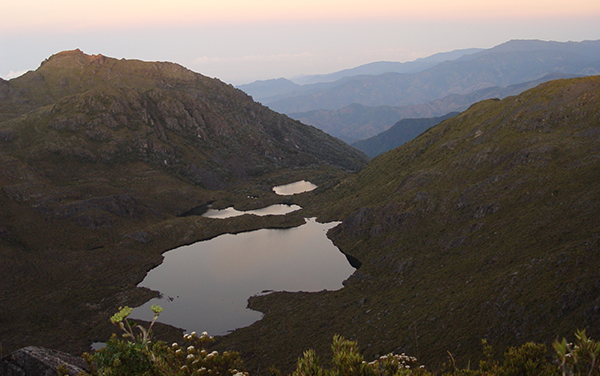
(240, 41)
(72, 15)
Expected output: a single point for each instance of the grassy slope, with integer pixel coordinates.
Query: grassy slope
(485, 226)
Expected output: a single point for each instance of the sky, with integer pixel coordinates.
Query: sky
(240, 41)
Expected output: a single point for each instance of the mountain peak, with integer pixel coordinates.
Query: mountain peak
(71, 59)
(77, 64)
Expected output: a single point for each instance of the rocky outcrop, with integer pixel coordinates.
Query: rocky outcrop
(38, 361)
(107, 111)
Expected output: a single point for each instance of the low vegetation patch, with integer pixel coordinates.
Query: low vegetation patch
(139, 355)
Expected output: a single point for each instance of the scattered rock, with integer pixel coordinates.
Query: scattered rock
(140, 236)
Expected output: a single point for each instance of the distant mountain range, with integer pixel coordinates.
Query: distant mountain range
(381, 67)
(462, 74)
(264, 90)
(357, 122)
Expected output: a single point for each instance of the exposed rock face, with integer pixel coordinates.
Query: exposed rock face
(38, 361)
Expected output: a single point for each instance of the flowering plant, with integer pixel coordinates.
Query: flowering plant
(120, 319)
(139, 355)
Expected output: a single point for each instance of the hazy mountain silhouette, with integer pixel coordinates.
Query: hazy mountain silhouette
(399, 134)
(265, 90)
(507, 64)
(357, 122)
(381, 67)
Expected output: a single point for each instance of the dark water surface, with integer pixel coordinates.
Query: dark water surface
(206, 285)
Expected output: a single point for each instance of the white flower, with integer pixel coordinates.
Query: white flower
(204, 334)
(193, 334)
(174, 344)
(191, 348)
(190, 356)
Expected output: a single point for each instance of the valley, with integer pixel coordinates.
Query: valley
(483, 226)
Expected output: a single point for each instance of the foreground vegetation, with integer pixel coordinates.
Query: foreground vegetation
(139, 355)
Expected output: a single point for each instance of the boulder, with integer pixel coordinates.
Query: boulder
(38, 361)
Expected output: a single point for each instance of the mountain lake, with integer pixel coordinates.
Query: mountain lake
(205, 286)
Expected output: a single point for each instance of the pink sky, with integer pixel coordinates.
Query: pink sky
(240, 41)
(69, 14)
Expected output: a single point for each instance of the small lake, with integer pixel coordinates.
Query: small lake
(277, 209)
(206, 285)
(294, 188)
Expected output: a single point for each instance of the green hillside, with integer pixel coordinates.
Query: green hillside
(485, 226)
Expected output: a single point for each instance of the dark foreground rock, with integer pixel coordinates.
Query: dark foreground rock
(38, 361)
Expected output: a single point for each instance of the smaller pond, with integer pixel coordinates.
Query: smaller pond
(278, 209)
(294, 188)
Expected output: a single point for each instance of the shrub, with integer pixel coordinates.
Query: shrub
(139, 355)
(580, 358)
(347, 361)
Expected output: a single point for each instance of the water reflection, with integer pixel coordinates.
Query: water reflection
(278, 209)
(206, 285)
(294, 188)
